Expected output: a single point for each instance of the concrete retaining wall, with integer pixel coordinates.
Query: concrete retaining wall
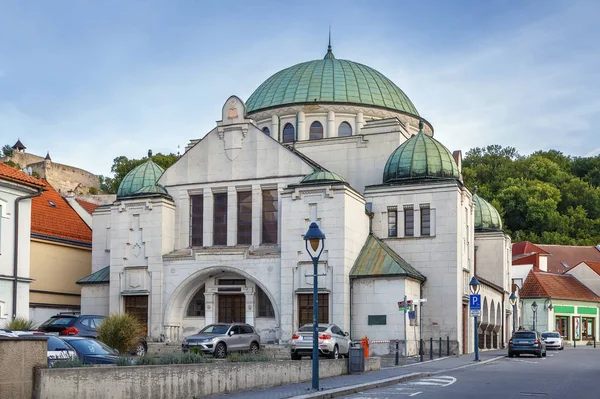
(181, 380)
(18, 357)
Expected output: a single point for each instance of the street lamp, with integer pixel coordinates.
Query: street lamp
(534, 307)
(474, 286)
(513, 301)
(314, 239)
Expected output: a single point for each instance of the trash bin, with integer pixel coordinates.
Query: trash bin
(356, 359)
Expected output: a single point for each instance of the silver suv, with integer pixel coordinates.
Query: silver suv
(333, 342)
(218, 339)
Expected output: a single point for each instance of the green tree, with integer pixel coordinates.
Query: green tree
(123, 165)
(7, 151)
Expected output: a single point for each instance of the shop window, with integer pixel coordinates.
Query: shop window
(220, 219)
(196, 306)
(316, 131)
(244, 219)
(197, 220)
(562, 326)
(345, 129)
(587, 328)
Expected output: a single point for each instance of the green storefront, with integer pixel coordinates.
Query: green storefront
(575, 322)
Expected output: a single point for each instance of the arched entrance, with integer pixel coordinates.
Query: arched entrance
(220, 294)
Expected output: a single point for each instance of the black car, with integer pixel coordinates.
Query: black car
(92, 351)
(72, 324)
(529, 342)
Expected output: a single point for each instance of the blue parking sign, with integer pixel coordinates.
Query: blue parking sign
(475, 302)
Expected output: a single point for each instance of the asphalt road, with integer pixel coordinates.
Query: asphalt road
(572, 373)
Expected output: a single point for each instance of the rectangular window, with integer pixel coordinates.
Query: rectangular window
(377, 320)
(220, 219)
(305, 308)
(409, 221)
(244, 219)
(265, 309)
(269, 217)
(392, 222)
(197, 220)
(425, 220)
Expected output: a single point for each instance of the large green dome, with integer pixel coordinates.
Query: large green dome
(142, 180)
(330, 81)
(420, 157)
(487, 217)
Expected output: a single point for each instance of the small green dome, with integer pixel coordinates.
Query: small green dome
(142, 180)
(330, 81)
(323, 176)
(419, 157)
(487, 217)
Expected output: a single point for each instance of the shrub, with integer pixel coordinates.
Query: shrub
(92, 190)
(20, 324)
(146, 361)
(120, 331)
(183, 358)
(248, 357)
(66, 364)
(124, 361)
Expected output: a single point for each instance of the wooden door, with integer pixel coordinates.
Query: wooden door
(137, 306)
(232, 308)
(465, 337)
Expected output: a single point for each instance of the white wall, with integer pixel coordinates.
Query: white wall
(101, 236)
(587, 276)
(94, 299)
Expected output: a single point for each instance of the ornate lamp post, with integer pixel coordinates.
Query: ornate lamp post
(474, 286)
(534, 307)
(315, 237)
(513, 301)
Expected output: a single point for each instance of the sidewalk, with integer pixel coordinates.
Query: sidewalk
(337, 386)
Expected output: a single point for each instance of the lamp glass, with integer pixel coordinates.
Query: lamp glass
(512, 298)
(314, 243)
(534, 306)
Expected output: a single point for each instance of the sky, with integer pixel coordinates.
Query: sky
(89, 81)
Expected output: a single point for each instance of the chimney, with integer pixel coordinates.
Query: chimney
(457, 155)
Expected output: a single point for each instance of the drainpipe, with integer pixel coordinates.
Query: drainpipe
(16, 249)
(350, 332)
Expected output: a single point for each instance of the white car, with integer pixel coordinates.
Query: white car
(553, 340)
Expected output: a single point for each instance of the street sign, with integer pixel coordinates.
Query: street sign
(475, 312)
(475, 302)
(412, 315)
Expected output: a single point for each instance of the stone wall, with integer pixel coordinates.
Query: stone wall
(18, 357)
(181, 380)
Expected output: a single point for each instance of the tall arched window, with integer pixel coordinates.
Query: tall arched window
(316, 131)
(266, 131)
(196, 306)
(288, 133)
(345, 129)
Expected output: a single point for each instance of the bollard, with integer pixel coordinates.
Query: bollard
(440, 346)
(447, 346)
(397, 351)
(421, 350)
(594, 342)
(431, 348)
(574, 343)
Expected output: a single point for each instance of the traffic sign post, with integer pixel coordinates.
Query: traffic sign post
(475, 311)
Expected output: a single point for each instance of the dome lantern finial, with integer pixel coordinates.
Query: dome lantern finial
(421, 126)
(329, 55)
(150, 154)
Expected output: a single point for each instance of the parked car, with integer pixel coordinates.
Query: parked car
(82, 326)
(58, 350)
(530, 342)
(553, 340)
(219, 339)
(333, 342)
(92, 351)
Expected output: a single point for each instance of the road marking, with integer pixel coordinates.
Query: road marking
(523, 361)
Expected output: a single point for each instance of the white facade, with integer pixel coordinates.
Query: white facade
(9, 193)
(174, 251)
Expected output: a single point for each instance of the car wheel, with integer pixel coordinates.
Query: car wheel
(510, 354)
(296, 356)
(254, 348)
(140, 350)
(335, 354)
(544, 354)
(562, 348)
(220, 351)
(539, 354)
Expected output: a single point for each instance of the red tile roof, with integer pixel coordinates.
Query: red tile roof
(88, 206)
(570, 255)
(526, 247)
(9, 173)
(557, 286)
(52, 216)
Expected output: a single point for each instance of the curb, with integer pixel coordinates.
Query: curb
(335, 392)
